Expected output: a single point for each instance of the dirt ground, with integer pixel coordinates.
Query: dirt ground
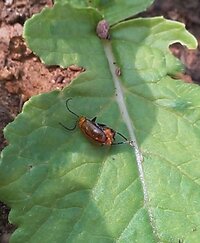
(22, 75)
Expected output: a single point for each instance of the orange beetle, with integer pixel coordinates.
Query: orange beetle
(96, 132)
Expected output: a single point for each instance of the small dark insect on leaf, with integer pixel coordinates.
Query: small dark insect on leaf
(99, 133)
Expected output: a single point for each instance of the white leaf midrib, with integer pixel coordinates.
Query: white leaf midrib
(130, 126)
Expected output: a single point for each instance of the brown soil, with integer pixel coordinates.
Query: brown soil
(22, 75)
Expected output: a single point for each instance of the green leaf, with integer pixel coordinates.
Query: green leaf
(61, 187)
(112, 10)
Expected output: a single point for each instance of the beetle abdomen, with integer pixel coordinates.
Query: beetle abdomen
(92, 130)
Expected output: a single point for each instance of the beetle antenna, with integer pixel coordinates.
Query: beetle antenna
(67, 128)
(69, 109)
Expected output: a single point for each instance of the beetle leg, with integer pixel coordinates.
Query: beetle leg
(122, 136)
(94, 119)
(101, 125)
(123, 142)
(120, 143)
(131, 143)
